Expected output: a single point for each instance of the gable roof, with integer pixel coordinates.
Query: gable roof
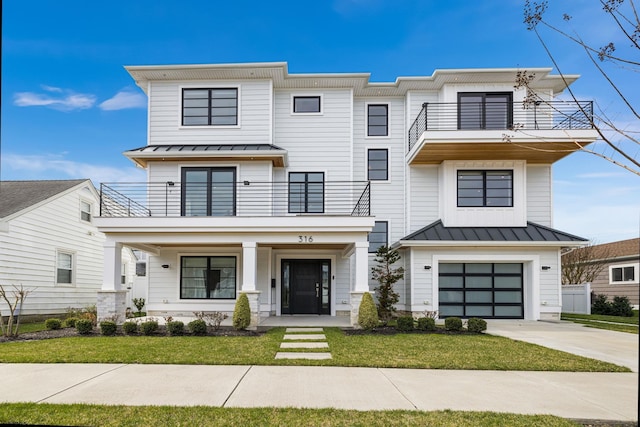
(18, 195)
(532, 233)
(613, 250)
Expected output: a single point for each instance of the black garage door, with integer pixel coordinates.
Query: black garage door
(489, 291)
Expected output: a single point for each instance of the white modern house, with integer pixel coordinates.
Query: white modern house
(50, 245)
(282, 186)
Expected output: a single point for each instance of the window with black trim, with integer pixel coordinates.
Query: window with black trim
(208, 192)
(208, 277)
(377, 120)
(64, 268)
(85, 211)
(378, 164)
(306, 192)
(306, 104)
(210, 107)
(485, 110)
(378, 236)
(485, 188)
(623, 273)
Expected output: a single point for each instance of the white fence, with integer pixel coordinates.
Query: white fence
(576, 298)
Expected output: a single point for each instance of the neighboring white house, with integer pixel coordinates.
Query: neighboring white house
(50, 245)
(282, 186)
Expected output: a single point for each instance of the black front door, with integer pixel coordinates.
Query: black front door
(306, 286)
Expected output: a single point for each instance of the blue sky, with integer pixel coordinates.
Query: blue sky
(69, 109)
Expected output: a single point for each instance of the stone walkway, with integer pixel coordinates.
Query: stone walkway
(304, 339)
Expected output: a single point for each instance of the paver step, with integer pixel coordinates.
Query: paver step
(305, 337)
(310, 356)
(304, 345)
(303, 330)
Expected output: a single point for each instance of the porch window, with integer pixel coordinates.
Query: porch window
(210, 107)
(378, 236)
(208, 277)
(490, 110)
(64, 268)
(306, 192)
(490, 188)
(208, 192)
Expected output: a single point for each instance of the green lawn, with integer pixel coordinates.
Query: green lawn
(612, 323)
(108, 416)
(429, 351)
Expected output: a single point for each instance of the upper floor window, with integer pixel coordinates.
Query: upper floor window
(377, 164)
(378, 236)
(85, 211)
(306, 192)
(490, 188)
(306, 104)
(485, 110)
(210, 107)
(64, 268)
(623, 273)
(208, 191)
(377, 120)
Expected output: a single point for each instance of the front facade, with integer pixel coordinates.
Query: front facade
(282, 186)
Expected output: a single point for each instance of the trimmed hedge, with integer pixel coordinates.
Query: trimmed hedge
(368, 313)
(108, 328)
(175, 328)
(70, 322)
(405, 323)
(130, 327)
(53, 324)
(149, 327)
(242, 313)
(84, 326)
(198, 327)
(476, 325)
(453, 324)
(426, 324)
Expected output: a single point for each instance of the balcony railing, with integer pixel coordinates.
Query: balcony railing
(539, 115)
(246, 198)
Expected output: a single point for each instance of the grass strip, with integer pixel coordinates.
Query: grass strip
(602, 318)
(130, 416)
(631, 329)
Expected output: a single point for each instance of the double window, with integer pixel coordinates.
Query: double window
(623, 274)
(306, 192)
(378, 164)
(490, 188)
(208, 192)
(210, 107)
(306, 104)
(208, 277)
(64, 268)
(377, 120)
(378, 236)
(490, 110)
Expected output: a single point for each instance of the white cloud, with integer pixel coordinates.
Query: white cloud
(60, 99)
(123, 100)
(54, 166)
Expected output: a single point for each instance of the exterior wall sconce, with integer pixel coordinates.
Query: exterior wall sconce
(171, 183)
(427, 267)
(246, 183)
(546, 267)
(165, 266)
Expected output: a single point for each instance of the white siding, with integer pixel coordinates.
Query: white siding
(539, 195)
(423, 199)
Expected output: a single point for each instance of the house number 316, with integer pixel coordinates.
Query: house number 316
(305, 239)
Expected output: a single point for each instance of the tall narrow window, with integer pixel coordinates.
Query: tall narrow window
(208, 277)
(208, 191)
(306, 104)
(491, 188)
(478, 110)
(306, 192)
(377, 164)
(85, 211)
(210, 107)
(64, 268)
(377, 120)
(378, 236)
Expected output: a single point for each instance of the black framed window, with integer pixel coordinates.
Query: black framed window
(208, 277)
(378, 164)
(485, 188)
(306, 104)
(378, 236)
(623, 274)
(377, 120)
(481, 290)
(306, 192)
(208, 192)
(485, 110)
(210, 107)
(64, 268)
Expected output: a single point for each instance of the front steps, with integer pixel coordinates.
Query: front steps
(304, 338)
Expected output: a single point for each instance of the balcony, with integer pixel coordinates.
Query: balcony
(234, 199)
(539, 132)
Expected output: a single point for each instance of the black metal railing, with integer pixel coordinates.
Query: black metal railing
(538, 115)
(245, 198)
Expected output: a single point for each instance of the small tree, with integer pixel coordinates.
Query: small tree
(15, 300)
(139, 303)
(583, 265)
(367, 313)
(242, 313)
(386, 275)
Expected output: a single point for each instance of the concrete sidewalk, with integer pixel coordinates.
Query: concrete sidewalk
(605, 396)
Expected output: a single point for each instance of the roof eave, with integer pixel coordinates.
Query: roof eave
(485, 243)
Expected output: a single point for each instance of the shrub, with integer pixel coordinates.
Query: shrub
(427, 324)
(108, 328)
(213, 319)
(600, 305)
(149, 327)
(70, 322)
(405, 323)
(139, 303)
(621, 307)
(367, 313)
(242, 313)
(198, 327)
(453, 324)
(130, 328)
(53, 324)
(84, 326)
(476, 325)
(175, 328)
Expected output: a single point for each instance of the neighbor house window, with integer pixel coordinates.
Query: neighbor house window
(377, 120)
(306, 192)
(480, 110)
(208, 277)
(210, 107)
(378, 236)
(85, 211)
(491, 188)
(623, 274)
(377, 165)
(208, 191)
(64, 268)
(306, 104)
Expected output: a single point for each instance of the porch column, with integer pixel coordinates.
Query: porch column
(111, 303)
(361, 279)
(249, 276)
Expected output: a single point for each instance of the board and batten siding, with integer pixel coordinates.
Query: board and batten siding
(539, 195)
(254, 114)
(28, 254)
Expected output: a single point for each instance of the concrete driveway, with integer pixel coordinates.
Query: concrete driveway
(616, 347)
